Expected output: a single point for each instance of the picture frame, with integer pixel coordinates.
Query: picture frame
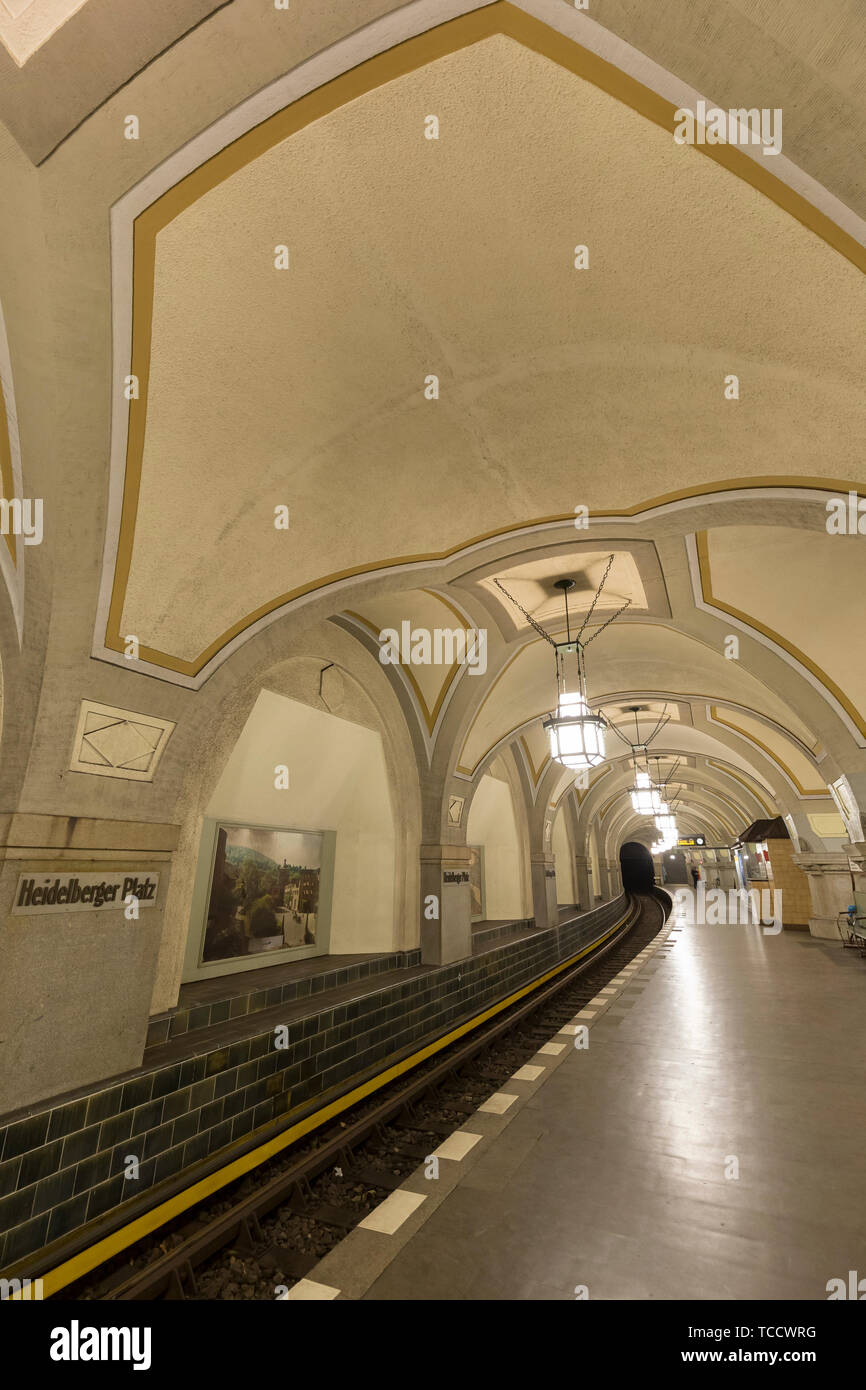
(241, 889)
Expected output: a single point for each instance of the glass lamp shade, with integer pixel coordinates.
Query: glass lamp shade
(667, 825)
(645, 798)
(663, 844)
(576, 735)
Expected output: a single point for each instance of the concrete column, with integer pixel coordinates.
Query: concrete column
(830, 888)
(77, 981)
(544, 906)
(609, 880)
(446, 924)
(581, 882)
(614, 878)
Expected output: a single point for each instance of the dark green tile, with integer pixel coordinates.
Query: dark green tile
(185, 1127)
(80, 1145)
(28, 1134)
(17, 1207)
(92, 1172)
(147, 1117)
(137, 1092)
(115, 1130)
(26, 1239)
(176, 1104)
(9, 1175)
(104, 1105)
(202, 1093)
(105, 1196)
(53, 1190)
(165, 1081)
(216, 1062)
(40, 1162)
(158, 1140)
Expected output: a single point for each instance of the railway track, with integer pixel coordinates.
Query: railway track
(272, 1226)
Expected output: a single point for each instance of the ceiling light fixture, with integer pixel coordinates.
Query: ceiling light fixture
(576, 733)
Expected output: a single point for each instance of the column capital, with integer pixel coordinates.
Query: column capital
(445, 854)
(542, 856)
(823, 862)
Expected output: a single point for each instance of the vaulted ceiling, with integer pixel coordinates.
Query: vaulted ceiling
(314, 306)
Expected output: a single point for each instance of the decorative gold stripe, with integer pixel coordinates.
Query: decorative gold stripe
(429, 716)
(534, 772)
(703, 549)
(774, 757)
(121, 1239)
(404, 58)
(744, 781)
(7, 481)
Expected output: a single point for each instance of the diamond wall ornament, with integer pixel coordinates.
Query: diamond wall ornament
(111, 742)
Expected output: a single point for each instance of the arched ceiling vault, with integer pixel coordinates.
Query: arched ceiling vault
(559, 391)
(320, 406)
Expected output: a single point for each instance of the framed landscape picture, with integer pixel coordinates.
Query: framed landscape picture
(263, 894)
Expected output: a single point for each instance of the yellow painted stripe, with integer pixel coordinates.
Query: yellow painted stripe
(125, 1236)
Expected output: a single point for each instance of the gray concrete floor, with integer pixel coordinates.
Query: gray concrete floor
(731, 1045)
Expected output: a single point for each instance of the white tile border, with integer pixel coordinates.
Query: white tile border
(389, 1215)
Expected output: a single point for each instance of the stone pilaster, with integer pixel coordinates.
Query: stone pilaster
(611, 883)
(581, 882)
(446, 924)
(78, 972)
(830, 887)
(544, 905)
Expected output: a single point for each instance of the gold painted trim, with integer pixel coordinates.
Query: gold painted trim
(738, 777)
(399, 61)
(703, 550)
(536, 775)
(429, 716)
(7, 480)
(121, 1239)
(774, 757)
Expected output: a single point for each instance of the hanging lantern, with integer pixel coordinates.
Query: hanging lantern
(645, 798)
(576, 732)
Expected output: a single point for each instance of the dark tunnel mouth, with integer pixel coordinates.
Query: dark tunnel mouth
(638, 871)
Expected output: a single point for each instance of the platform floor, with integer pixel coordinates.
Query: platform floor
(610, 1170)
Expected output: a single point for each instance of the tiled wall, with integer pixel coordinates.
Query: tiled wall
(235, 1005)
(792, 881)
(63, 1167)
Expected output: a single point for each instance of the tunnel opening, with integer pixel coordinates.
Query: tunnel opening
(638, 873)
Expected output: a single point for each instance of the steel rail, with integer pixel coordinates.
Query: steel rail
(173, 1274)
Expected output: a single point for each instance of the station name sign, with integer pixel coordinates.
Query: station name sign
(82, 892)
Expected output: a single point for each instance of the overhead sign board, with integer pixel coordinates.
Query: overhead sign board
(695, 840)
(38, 893)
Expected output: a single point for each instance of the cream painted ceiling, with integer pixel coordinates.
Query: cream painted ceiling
(532, 585)
(25, 25)
(804, 587)
(627, 657)
(558, 387)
